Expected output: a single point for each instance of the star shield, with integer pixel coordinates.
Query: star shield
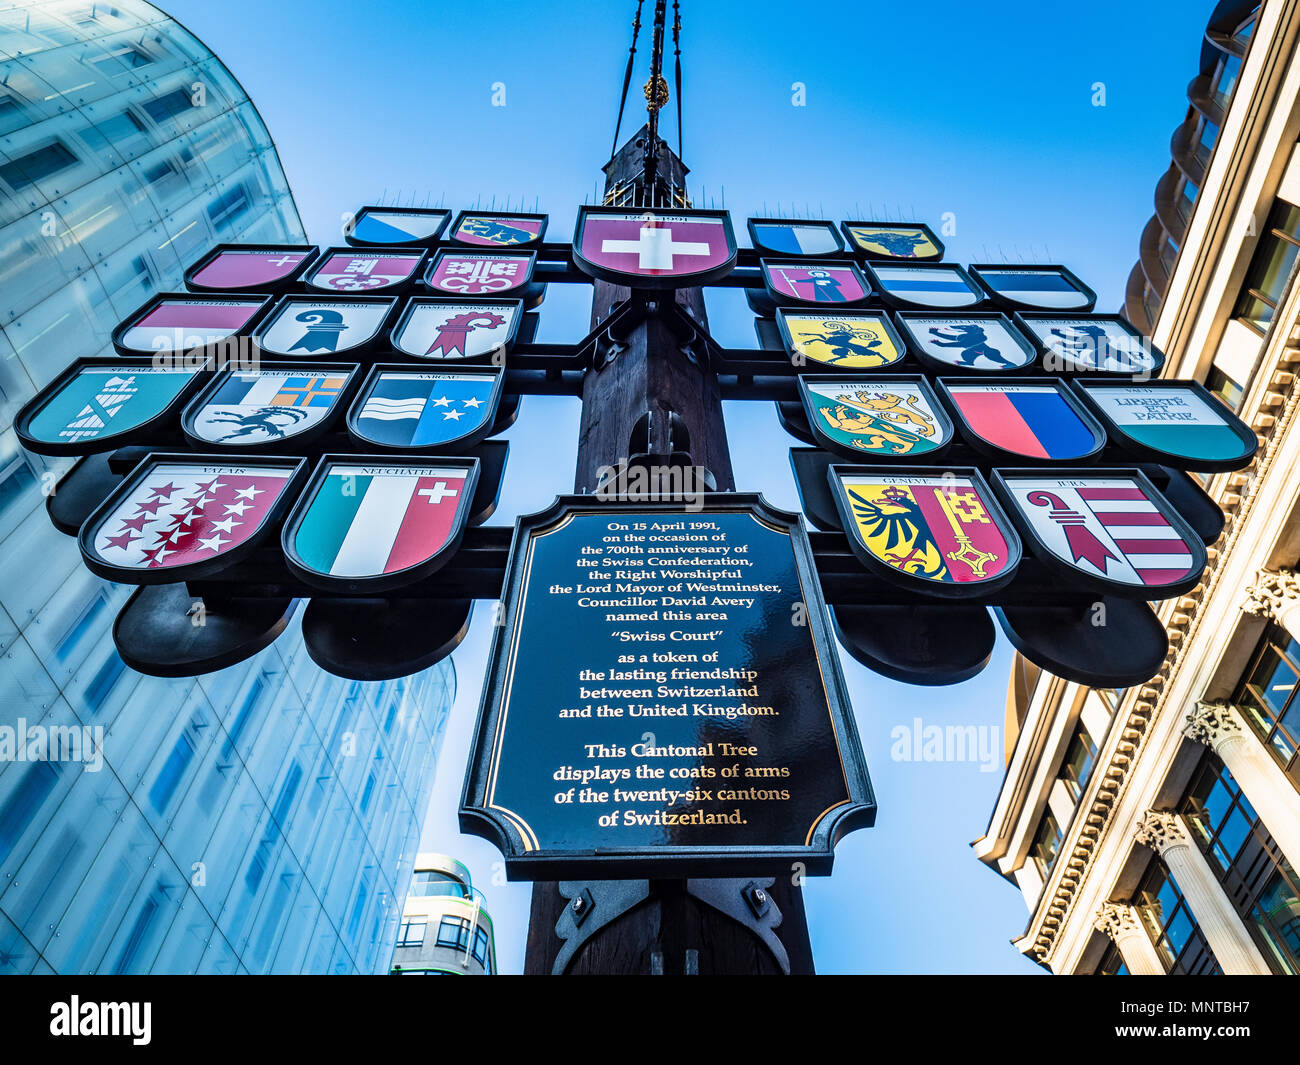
(186, 516)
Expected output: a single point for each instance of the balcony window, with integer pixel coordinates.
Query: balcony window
(1187, 193)
(1151, 303)
(1225, 80)
(427, 883)
(1168, 254)
(1209, 134)
(1243, 33)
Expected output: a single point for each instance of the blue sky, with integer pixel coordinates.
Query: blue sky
(912, 111)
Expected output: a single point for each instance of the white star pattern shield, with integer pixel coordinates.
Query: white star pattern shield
(181, 514)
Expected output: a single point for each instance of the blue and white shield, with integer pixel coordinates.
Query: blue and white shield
(425, 409)
(303, 326)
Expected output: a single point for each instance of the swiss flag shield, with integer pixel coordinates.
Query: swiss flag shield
(651, 249)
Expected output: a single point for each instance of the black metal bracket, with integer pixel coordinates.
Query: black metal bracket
(750, 903)
(595, 904)
(592, 904)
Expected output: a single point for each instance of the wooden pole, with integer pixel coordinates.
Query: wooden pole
(671, 932)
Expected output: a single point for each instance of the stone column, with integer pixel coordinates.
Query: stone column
(1168, 835)
(1221, 728)
(1122, 924)
(1275, 595)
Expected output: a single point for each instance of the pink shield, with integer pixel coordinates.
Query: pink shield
(467, 274)
(237, 268)
(651, 244)
(362, 272)
(816, 282)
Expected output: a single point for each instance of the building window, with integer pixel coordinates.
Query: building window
(481, 946)
(1209, 133)
(1243, 33)
(24, 802)
(1047, 843)
(1172, 927)
(16, 480)
(28, 169)
(426, 883)
(115, 130)
(101, 684)
(1110, 697)
(411, 933)
(454, 932)
(1270, 267)
(1080, 758)
(12, 115)
(1187, 193)
(1224, 387)
(86, 619)
(161, 175)
(1225, 80)
(229, 207)
(168, 106)
(1112, 963)
(1255, 876)
(1267, 697)
(1151, 303)
(129, 56)
(1168, 254)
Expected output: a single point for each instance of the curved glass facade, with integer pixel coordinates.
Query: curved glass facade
(1227, 39)
(259, 819)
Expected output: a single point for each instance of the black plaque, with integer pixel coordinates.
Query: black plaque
(663, 698)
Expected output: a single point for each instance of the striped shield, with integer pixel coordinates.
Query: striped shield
(1116, 528)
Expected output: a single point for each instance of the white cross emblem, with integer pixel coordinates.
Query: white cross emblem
(655, 248)
(286, 260)
(439, 492)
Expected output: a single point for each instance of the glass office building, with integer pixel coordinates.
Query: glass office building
(259, 819)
